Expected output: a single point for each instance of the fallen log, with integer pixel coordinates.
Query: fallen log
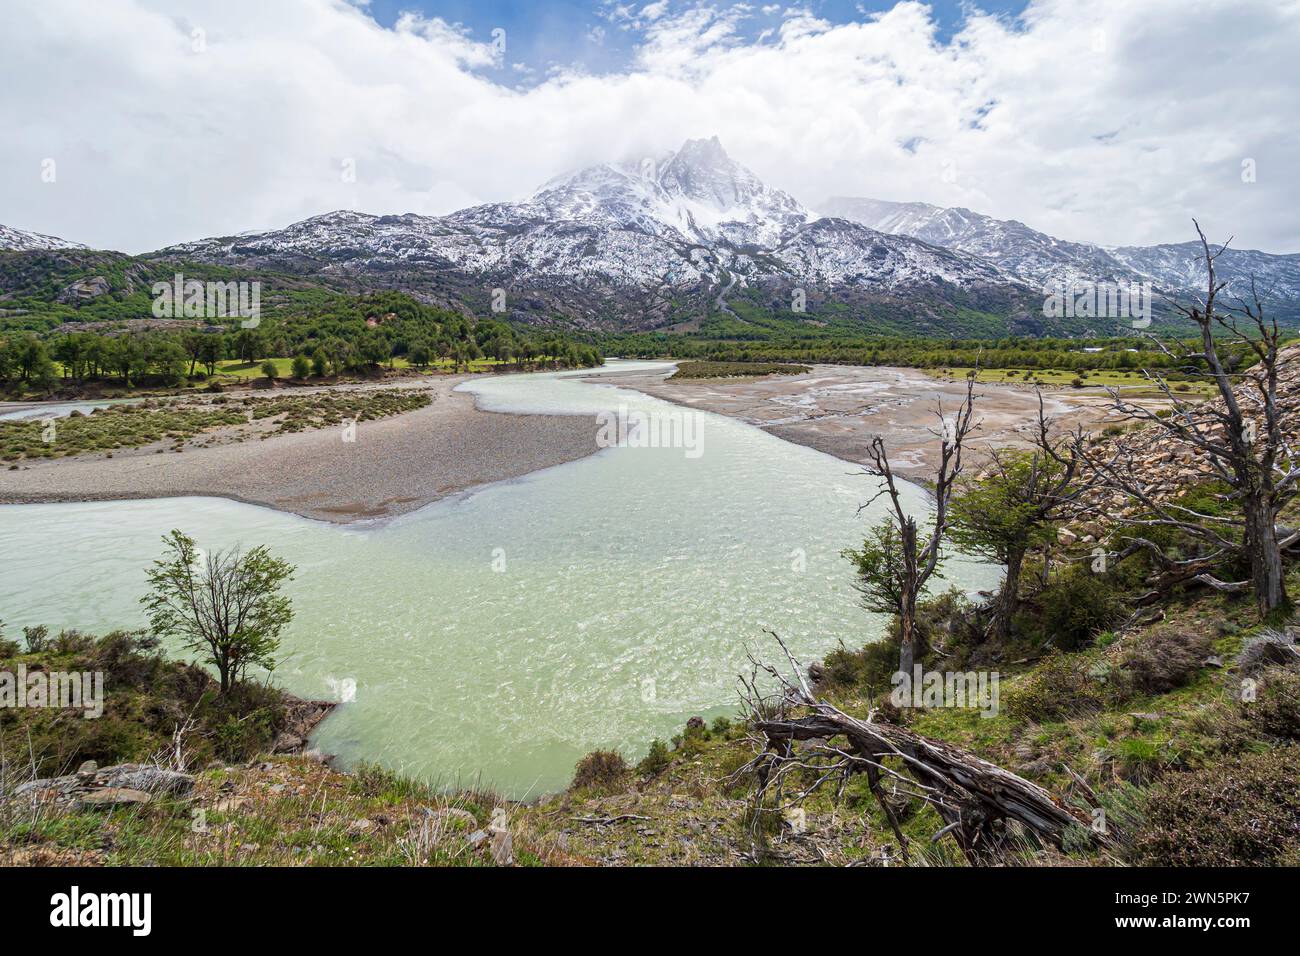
(975, 798)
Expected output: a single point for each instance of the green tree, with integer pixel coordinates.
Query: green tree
(33, 361)
(301, 366)
(226, 606)
(193, 342)
(339, 354)
(211, 351)
(1009, 509)
(419, 354)
(269, 369)
(248, 345)
(374, 349)
(885, 575)
(167, 359)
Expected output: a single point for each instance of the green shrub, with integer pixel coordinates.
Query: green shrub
(269, 370)
(1076, 606)
(1140, 760)
(301, 366)
(656, 759)
(728, 369)
(36, 638)
(372, 780)
(600, 770)
(72, 642)
(946, 615)
(1241, 811)
(1059, 686)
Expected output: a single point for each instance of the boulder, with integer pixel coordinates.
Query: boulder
(146, 777)
(287, 743)
(114, 797)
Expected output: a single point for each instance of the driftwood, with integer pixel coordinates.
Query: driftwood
(975, 799)
(608, 821)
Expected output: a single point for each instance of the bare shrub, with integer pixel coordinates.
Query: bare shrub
(600, 770)
(1165, 659)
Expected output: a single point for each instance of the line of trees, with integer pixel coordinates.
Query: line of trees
(1078, 355)
(359, 333)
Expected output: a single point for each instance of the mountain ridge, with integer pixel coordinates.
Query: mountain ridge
(1040, 259)
(654, 243)
(641, 242)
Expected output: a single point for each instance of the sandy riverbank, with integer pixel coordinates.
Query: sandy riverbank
(395, 465)
(839, 409)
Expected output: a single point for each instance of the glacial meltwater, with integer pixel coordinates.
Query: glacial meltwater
(499, 635)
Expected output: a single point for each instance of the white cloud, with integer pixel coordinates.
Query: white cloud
(653, 11)
(1107, 121)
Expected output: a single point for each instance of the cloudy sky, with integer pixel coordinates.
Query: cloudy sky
(133, 124)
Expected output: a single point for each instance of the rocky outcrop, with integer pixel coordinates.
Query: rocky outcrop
(84, 290)
(91, 786)
(301, 718)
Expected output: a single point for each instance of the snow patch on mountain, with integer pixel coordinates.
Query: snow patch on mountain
(24, 241)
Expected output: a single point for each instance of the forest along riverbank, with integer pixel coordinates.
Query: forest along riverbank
(839, 409)
(385, 467)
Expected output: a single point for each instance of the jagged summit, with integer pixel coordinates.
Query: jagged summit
(698, 191)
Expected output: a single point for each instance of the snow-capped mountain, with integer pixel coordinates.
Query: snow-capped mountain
(23, 241)
(619, 241)
(1037, 258)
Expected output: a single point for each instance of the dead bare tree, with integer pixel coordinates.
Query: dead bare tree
(976, 800)
(1240, 434)
(893, 569)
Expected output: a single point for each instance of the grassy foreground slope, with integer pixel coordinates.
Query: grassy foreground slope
(1149, 725)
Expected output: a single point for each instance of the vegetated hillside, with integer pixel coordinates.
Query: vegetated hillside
(77, 321)
(46, 289)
